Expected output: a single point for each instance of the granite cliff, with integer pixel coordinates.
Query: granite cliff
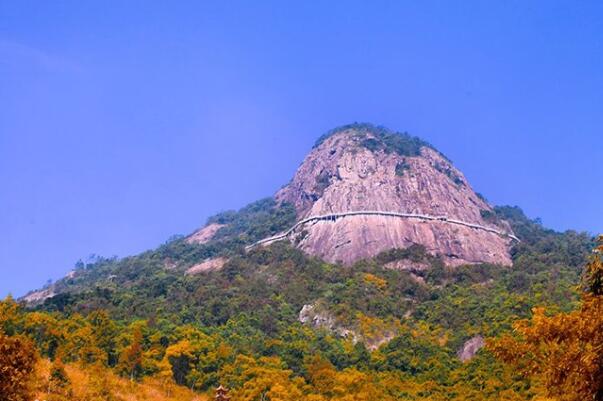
(362, 167)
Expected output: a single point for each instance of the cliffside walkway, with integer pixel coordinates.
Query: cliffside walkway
(335, 216)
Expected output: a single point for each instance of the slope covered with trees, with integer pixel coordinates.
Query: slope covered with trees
(563, 351)
(274, 323)
(392, 332)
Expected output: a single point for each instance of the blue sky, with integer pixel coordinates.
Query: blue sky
(123, 124)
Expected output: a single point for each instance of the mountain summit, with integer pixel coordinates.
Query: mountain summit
(364, 189)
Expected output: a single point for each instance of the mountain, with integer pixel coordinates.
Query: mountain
(365, 189)
(364, 196)
(363, 192)
(366, 168)
(376, 265)
(365, 199)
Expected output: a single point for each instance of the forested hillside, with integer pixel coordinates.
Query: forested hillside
(369, 328)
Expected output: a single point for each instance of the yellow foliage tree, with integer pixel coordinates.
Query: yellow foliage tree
(99, 385)
(564, 351)
(322, 375)
(59, 385)
(130, 360)
(17, 364)
(264, 379)
(353, 385)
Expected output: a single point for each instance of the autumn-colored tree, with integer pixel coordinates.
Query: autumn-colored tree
(180, 357)
(593, 274)
(44, 330)
(105, 331)
(130, 360)
(9, 315)
(99, 386)
(17, 363)
(353, 385)
(194, 359)
(59, 385)
(321, 374)
(83, 345)
(265, 379)
(564, 351)
(166, 376)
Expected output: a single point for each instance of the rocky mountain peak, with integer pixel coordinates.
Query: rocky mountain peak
(360, 168)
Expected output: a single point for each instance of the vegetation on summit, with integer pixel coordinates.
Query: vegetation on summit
(383, 139)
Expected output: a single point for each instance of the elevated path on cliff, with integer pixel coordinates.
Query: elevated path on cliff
(335, 216)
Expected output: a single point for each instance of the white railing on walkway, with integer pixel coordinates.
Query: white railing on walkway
(335, 216)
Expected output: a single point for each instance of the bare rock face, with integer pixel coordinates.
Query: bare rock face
(313, 316)
(39, 296)
(207, 266)
(204, 234)
(352, 170)
(316, 316)
(470, 348)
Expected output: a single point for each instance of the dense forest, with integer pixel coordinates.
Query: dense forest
(141, 328)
